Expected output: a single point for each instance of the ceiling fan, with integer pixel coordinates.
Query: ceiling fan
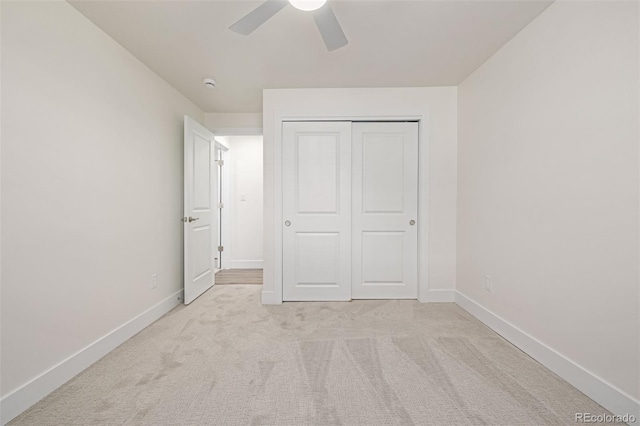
(326, 20)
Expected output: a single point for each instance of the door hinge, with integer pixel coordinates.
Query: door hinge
(220, 162)
(220, 248)
(220, 205)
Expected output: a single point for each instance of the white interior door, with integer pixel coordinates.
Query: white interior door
(199, 210)
(385, 208)
(316, 211)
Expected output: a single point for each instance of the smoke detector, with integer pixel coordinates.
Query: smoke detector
(209, 83)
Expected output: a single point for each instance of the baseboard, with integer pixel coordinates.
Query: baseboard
(443, 295)
(605, 394)
(269, 298)
(33, 391)
(245, 264)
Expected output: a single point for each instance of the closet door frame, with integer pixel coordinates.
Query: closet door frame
(277, 295)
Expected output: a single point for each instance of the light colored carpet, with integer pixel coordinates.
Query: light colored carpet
(239, 276)
(227, 360)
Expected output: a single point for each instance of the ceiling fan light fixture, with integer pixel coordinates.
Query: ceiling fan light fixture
(307, 5)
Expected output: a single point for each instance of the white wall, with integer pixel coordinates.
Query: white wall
(435, 107)
(244, 162)
(234, 123)
(548, 189)
(91, 193)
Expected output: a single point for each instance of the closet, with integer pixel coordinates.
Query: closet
(350, 209)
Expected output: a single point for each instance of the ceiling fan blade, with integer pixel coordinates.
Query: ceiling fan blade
(258, 16)
(329, 27)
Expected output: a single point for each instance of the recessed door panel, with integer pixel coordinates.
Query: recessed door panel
(316, 211)
(201, 259)
(318, 258)
(382, 173)
(385, 209)
(382, 258)
(317, 173)
(202, 190)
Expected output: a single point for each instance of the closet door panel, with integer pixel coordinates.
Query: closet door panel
(316, 211)
(385, 209)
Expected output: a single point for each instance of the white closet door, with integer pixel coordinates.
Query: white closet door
(385, 210)
(316, 211)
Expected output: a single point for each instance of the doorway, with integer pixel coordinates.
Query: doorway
(241, 210)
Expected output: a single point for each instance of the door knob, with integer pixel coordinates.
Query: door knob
(412, 222)
(193, 219)
(287, 223)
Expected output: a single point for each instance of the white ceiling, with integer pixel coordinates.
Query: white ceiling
(392, 43)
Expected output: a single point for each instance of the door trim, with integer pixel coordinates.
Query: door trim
(223, 232)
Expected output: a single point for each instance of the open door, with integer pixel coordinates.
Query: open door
(200, 223)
